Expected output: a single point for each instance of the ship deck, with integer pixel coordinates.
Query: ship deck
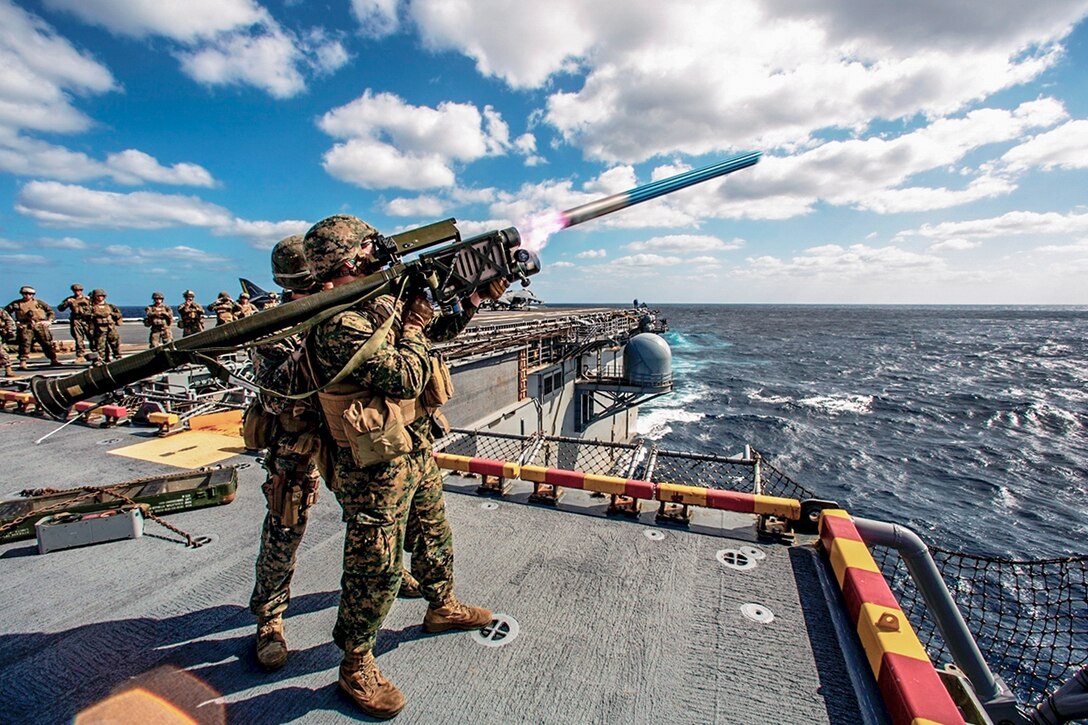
(615, 625)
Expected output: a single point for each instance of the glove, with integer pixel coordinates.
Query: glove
(417, 313)
(495, 288)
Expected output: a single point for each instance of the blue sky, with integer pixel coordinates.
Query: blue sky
(924, 152)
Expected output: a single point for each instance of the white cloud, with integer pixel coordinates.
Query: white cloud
(954, 245)
(22, 260)
(377, 18)
(559, 265)
(390, 143)
(858, 261)
(425, 206)
(269, 61)
(25, 156)
(782, 70)
(592, 254)
(1075, 248)
(8, 244)
(63, 243)
(40, 72)
(685, 243)
(646, 260)
(220, 42)
(1013, 223)
(183, 256)
(262, 234)
(64, 205)
(1065, 147)
(705, 261)
(186, 22)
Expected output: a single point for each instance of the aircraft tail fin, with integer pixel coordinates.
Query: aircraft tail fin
(257, 295)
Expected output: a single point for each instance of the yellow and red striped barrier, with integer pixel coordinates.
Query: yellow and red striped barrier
(910, 686)
(747, 503)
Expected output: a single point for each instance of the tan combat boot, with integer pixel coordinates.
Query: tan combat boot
(8, 372)
(409, 586)
(454, 615)
(362, 681)
(22, 364)
(271, 645)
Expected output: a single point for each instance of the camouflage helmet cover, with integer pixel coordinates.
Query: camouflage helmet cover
(27, 290)
(98, 291)
(76, 287)
(244, 296)
(157, 296)
(224, 295)
(188, 293)
(333, 241)
(289, 268)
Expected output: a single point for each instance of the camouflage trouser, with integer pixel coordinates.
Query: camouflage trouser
(389, 507)
(160, 337)
(81, 334)
(107, 343)
(29, 334)
(5, 359)
(192, 329)
(292, 477)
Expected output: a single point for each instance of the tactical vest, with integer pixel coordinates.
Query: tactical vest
(103, 316)
(158, 318)
(30, 312)
(373, 426)
(80, 307)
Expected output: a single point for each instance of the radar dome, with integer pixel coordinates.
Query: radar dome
(647, 360)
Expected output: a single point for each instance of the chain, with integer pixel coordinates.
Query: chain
(90, 492)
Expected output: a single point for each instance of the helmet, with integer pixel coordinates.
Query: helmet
(243, 296)
(289, 269)
(333, 241)
(27, 290)
(188, 293)
(98, 291)
(273, 296)
(157, 296)
(224, 295)
(77, 287)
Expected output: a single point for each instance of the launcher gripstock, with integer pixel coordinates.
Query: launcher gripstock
(450, 272)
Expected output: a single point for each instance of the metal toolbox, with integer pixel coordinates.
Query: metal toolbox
(68, 530)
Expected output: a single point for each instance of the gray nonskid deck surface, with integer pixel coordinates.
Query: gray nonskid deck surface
(615, 627)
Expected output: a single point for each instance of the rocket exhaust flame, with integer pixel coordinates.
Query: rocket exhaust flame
(542, 226)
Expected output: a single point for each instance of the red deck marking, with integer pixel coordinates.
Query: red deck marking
(865, 587)
(637, 488)
(745, 503)
(567, 479)
(913, 690)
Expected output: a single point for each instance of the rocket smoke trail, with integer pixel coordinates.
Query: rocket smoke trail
(540, 228)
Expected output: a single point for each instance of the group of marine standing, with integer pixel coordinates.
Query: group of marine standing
(93, 322)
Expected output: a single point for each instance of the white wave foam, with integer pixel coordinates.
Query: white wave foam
(655, 424)
(836, 404)
(757, 396)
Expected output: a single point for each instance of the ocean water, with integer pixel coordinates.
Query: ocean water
(968, 424)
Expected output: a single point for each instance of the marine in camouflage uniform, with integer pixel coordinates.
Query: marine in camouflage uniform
(7, 333)
(245, 307)
(160, 319)
(272, 301)
(32, 318)
(79, 319)
(225, 309)
(190, 315)
(392, 504)
(291, 487)
(105, 319)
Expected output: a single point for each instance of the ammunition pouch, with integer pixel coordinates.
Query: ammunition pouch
(439, 388)
(258, 427)
(374, 427)
(289, 498)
